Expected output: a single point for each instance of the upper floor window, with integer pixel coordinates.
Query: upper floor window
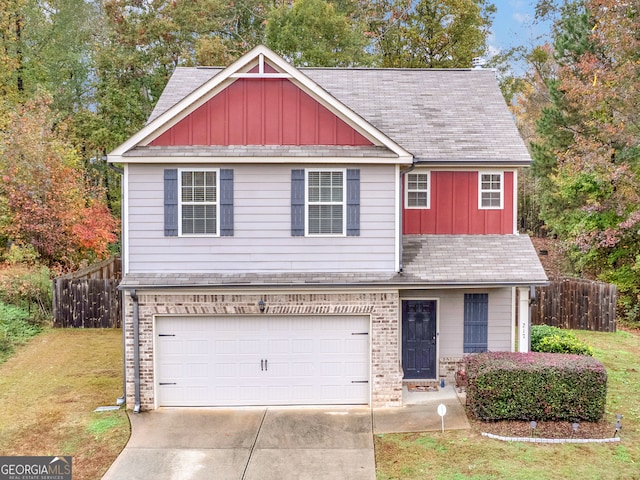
(326, 202)
(417, 190)
(199, 202)
(491, 190)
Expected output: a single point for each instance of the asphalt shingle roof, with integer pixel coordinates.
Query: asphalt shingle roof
(439, 115)
(429, 260)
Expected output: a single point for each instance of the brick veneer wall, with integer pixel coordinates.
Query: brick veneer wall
(386, 374)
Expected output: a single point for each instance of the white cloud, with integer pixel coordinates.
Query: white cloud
(521, 17)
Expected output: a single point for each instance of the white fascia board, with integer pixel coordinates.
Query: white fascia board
(263, 160)
(203, 93)
(162, 120)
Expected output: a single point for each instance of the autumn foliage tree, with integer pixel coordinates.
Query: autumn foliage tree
(587, 149)
(45, 201)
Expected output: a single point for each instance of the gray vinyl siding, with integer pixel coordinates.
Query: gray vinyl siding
(261, 240)
(451, 318)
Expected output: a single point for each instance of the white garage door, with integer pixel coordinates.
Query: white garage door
(262, 360)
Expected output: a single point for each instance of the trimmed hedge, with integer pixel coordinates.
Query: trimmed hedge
(535, 386)
(545, 338)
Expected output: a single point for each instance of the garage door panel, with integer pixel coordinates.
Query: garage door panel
(356, 344)
(218, 360)
(197, 347)
(302, 345)
(302, 369)
(246, 346)
(197, 371)
(278, 346)
(247, 370)
(356, 369)
(172, 371)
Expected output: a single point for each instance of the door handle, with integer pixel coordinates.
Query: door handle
(266, 364)
(262, 365)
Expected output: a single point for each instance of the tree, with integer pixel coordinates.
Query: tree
(315, 33)
(436, 33)
(45, 201)
(588, 152)
(10, 52)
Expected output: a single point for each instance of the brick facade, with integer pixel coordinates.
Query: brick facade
(385, 375)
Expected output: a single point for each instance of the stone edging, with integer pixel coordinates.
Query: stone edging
(551, 440)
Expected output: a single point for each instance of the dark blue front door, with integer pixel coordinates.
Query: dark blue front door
(419, 339)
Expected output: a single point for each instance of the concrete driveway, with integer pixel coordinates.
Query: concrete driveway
(248, 443)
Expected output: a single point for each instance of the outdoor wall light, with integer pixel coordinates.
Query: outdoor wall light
(618, 424)
(261, 306)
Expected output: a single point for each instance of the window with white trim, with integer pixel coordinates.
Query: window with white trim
(491, 190)
(326, 202)
(198, 202)
(417, 190)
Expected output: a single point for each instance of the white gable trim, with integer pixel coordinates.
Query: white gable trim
(220, 81)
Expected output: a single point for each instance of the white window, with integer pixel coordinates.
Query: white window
(417, 190)
(198, 202)
(325, 202)
(491, 190)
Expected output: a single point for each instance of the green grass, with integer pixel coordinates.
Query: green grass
(103, 423)
(465, 454)
(15, 329)
(49, 390)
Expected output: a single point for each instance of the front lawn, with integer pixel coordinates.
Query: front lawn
(48, 391)
(467, 455)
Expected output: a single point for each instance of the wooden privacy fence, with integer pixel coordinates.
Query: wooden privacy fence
(89, 298)
(576, 304)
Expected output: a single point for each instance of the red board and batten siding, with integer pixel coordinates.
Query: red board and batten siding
(454, 208)
(261, 112)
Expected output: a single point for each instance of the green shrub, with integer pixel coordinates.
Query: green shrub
(15, 328)
(29, 288)
(25, 255)
(545, 338)
(535, 386)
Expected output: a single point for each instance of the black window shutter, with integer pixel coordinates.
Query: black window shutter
(171, 202)
(353, 202)
(476, 322)
(226, 202)
(297, 203)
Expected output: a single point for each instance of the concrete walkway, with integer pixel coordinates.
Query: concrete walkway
(420, 413)
(248, 444)
(273, 443)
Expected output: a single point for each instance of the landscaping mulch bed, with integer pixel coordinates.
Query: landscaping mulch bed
(505, 428)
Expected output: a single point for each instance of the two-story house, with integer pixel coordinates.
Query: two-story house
(319, 235)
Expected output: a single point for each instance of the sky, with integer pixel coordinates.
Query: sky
(513, 25)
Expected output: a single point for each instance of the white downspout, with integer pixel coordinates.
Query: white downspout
(136, 349)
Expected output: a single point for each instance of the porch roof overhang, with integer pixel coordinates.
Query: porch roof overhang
(238, 154)
(430, 261)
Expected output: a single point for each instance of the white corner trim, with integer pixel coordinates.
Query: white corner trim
(125, 220)
(398, 220)
(515, 202)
